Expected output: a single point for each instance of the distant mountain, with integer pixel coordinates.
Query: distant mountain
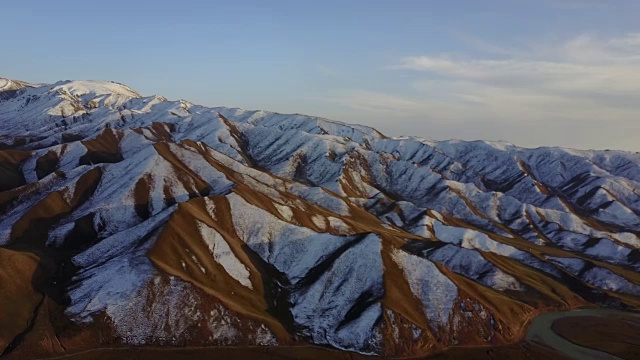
(137, 220)
(10, 88)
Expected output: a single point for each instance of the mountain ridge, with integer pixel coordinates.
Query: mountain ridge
(239, 227)
(359, 126)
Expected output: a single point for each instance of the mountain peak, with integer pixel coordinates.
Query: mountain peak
(94, 87)
(9, 88)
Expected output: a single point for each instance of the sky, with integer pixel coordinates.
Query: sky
(532, 73)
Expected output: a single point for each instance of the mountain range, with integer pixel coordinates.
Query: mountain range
(130, 220)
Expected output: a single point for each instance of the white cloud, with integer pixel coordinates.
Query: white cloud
(587, 82)
(581, 66)
(377, 102)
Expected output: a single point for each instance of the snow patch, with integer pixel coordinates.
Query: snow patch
(434, 289)
(222, 253)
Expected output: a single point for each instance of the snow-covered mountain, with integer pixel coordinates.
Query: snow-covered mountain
(137, 220)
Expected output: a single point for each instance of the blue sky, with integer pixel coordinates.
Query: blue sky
(533, 73)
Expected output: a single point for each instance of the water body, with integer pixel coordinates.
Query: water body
(540, 330)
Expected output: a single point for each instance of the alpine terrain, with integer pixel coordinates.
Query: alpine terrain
(129, 221)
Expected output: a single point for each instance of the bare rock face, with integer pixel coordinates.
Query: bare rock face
(137, 220)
